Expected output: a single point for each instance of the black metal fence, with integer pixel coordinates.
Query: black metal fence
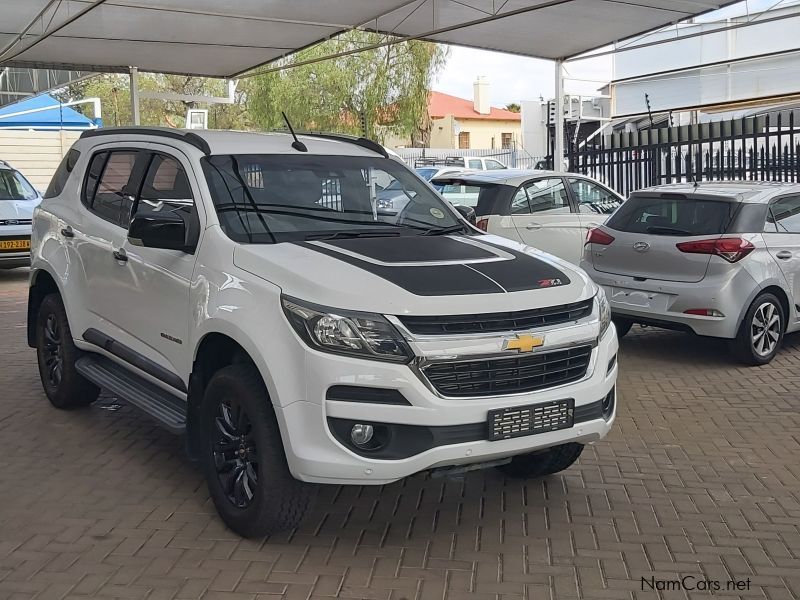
(764, 147)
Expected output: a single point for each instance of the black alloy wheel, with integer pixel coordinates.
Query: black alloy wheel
(235, 453)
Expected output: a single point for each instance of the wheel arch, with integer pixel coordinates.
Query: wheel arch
(42, 284)
(214, 351)
(768, 287)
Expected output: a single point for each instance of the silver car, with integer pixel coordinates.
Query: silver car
(719, 259)
(18, 198)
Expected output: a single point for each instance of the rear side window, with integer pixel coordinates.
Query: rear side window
(673, 215)
(105, 192)
(475, 163)
(61, 175)
(784, 216)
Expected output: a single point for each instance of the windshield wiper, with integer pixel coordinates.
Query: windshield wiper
(667, 230)
(444, 230)
(351, 234)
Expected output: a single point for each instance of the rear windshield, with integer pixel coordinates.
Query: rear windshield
(673, 215)
(485, 198)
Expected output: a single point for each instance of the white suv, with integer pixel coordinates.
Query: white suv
(246, 289)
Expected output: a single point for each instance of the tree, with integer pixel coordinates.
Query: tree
(513, 107)
(114, 93)
(383, 90)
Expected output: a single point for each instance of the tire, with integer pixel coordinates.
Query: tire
(56, 354)
(623, 326)
(748, 346)
(544, 462)
(243, 457)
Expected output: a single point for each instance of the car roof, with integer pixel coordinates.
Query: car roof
(231, 142)
(738, 190)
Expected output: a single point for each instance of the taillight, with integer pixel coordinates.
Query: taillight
(598, 236)
(482, 224)
(731, 249)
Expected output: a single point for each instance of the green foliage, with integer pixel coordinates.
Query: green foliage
(115, 99)
(386, 88)
(513, 107)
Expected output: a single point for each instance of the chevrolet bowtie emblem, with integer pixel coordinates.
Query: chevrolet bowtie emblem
(523, 343)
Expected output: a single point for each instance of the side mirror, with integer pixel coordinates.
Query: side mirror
(158, 230)
(467, 212)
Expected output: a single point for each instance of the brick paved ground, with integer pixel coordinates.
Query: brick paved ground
(699, 477)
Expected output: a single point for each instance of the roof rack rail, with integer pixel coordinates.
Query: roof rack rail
(176, 134)
(433, 161)
(358, 141)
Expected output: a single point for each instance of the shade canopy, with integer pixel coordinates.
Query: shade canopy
(225, 39)
(28, 114)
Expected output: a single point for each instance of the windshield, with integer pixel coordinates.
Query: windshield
(13, 186)
(672, 215)
(267, 199)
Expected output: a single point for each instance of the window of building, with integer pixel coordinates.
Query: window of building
(506, 139)
(463, 140)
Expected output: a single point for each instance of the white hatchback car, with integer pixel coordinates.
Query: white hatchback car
(547, 210)
(18, 198)
(719, 259)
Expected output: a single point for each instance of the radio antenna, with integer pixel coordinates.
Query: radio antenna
(296, 144)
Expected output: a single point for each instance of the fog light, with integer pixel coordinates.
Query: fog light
(361, 434)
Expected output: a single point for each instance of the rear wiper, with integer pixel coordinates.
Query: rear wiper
(667, 230)
(443, 230)
(350, 234)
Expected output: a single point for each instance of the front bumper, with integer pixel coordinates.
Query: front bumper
(13, 259)
(315, 455)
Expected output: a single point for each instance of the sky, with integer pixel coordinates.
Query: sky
(516, 78)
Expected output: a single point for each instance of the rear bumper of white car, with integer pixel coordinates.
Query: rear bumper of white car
(664, 303)
(433, 431)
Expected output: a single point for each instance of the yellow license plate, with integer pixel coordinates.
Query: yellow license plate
(15, 245)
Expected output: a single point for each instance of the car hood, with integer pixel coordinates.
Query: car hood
(433, 275)
(17, 209)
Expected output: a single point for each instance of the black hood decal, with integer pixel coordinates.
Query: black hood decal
(475, 268)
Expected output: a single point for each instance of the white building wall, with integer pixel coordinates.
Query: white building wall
(36, 154)
(765, 77)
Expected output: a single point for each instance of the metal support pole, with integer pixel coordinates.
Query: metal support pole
(135, 95)
(558, 133)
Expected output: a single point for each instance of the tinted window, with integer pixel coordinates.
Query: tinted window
(475, 163)
(271, 199)
(61, 175)
(426, 173)
(784, 216)
(547, 195)
(593, 198)
(111, 195)
(520, 204)
(672, 215)
(165, 188)
(13, 186)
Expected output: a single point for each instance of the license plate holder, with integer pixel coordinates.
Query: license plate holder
(530, 419)
(14, 245)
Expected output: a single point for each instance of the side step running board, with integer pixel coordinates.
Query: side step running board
(162, 406)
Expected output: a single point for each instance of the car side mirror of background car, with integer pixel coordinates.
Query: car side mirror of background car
(467, 212)
(165, 230)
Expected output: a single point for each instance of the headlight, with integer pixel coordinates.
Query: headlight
(385, 203)
(604, 310)
(364, 335)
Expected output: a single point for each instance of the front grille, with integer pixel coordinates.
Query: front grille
(515, 374)
(495, 322)
(15, 222)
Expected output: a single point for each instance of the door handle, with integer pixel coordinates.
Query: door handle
(533, 226)
(67, 232)
(120, 255)
(784, 255)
